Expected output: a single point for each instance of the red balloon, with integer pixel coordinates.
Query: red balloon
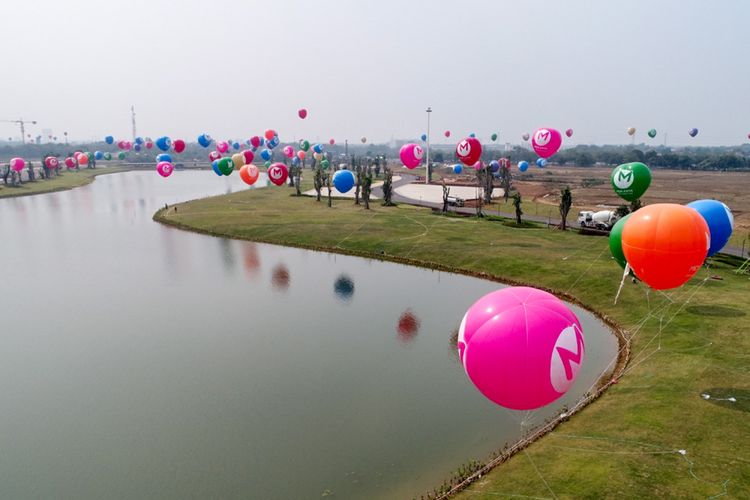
(469, 151)
(149, 145)
(178, 145)
(302, 113)
(665, 244)
(249, 156)
(278, 174)
(70, 162)
(447, 133)
(255, 141)
(269, 134)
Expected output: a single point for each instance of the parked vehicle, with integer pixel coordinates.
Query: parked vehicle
(604, 219)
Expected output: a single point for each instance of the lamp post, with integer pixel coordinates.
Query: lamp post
(427, 177)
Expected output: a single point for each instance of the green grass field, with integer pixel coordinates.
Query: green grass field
(685, 342)
(66, 180)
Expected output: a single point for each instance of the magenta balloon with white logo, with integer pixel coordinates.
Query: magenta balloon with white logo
(288, 151)
(411, 155)
(222, 146)
(521, 347)
(17, 164)
(164, 168)
(546, 142)
(214, 155)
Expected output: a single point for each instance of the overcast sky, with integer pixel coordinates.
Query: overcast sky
(370, 68)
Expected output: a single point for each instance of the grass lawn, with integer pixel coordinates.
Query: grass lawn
(685, 343)
(66, 180)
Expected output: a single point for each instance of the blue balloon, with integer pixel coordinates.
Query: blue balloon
(98, 155)
(541, 162)
(137, 147)
(457, 169)
(523, 166)
(266, 154)
(720, 222)
(164, 143)
(495, 166)
(262, 141)
(343, 181)
(424, 137)
(163, 157)
(139, 140)
(109, 139)
(204, 140)
(215, 166)
(472, 134)
(318, 148)
(295, 161)
(236, 145)
(270, 144)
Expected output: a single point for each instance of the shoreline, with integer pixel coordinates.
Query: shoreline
(456, 486)
(56, 189)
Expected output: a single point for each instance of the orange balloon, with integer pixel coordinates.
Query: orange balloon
(249, 174)
(665, 244)
(301, 155)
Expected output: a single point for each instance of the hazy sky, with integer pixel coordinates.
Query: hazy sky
(370, 68)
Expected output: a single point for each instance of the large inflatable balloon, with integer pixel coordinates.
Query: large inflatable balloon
(521, 347)
(523, 166)
(249, 174)
(214, 155)
(318, 148)
(163, 157)
(317, 156)
(424, 137)
(204, 140)
(278, 173)
(631, 180)
(665, 244)
(226, 166)
(447, 133)
(304, 145)
(363, 139)
(720, 222)
(652, 133)
(469, 151)
(273, 142)
(51, 162)
(478, 165)
(301, 155)
(122, 155)
(149, 144)
(164, 168)
(163, 143)
(324, 164)
(178, 145)
(137, 147)
(255, 141)
(693, 132)
(569, 132)
(493, 137)
(525, 137)
(215, 167)
(107, 156)
(541, 162)
(631, 131)
(546, 142)
(494, 166)
(343, 181)
(109, 139)
(70, 162)
(83, 159)
(98, 155)
(17, 164)
(266, 154)
(238, 160)
(222, 147)
(457, 169)
(269, 134)
(331, 142)
(288, 151)
(249, 156)
(615, 241)
(411, 155)
(302, 113)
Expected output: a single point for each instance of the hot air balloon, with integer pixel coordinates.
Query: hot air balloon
(521, 347)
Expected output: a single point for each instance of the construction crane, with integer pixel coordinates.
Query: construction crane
(22, 123)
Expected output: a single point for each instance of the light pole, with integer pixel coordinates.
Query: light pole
(427, 177)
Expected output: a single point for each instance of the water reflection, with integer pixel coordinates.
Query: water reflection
(227, 255)
(344, 288)
(408, 327)
(280, 278)
(251, 259)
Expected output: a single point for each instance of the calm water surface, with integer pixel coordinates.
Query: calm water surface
(140, 361)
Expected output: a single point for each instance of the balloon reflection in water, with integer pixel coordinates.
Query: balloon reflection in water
(280, 277)
(344, 288)
(408, 327)
(251, 258)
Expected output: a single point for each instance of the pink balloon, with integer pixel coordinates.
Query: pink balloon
(331, 142)
(17, 164)
(249, 156)
(302, 113)
(222, 146)
(411, 155)
(70, 162)
(546, 142)
(469, 151)
(288, 151)
(51, 162)
(149, 144)
(255, 141)
(447, 133)
(121, 144)
(569, 132)
(478, 165)
(521, 347)
(164, 168)
(214, 155)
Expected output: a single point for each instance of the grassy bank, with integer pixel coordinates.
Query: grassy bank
(685, 343)
(66, 180)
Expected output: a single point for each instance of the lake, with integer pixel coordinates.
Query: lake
(141, 361)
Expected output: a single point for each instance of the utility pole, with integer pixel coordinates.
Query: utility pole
(22, 123)
(132, 115)
(427, 176)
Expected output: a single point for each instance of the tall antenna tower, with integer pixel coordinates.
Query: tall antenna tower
(132, 114)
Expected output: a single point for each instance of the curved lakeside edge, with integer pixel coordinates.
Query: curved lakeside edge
(605, 381)
(56, 189)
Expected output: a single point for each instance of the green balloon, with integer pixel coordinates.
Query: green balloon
(267, 164)
(121, 155)
(325, 164)
(107, 156)
(226, 166)
(615, 242)
(493, 137)
(304, 145)
(631, 180)
(652, 133)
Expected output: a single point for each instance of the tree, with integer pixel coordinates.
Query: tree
(517, 205)
(358, 184)
(367, 187)
(506, 180)
(328, 185)
(635, 205)
(387, 187)
(318, 180)
(446, 192)
(566, 201)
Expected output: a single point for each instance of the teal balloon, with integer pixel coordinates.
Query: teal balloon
(631, 180)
